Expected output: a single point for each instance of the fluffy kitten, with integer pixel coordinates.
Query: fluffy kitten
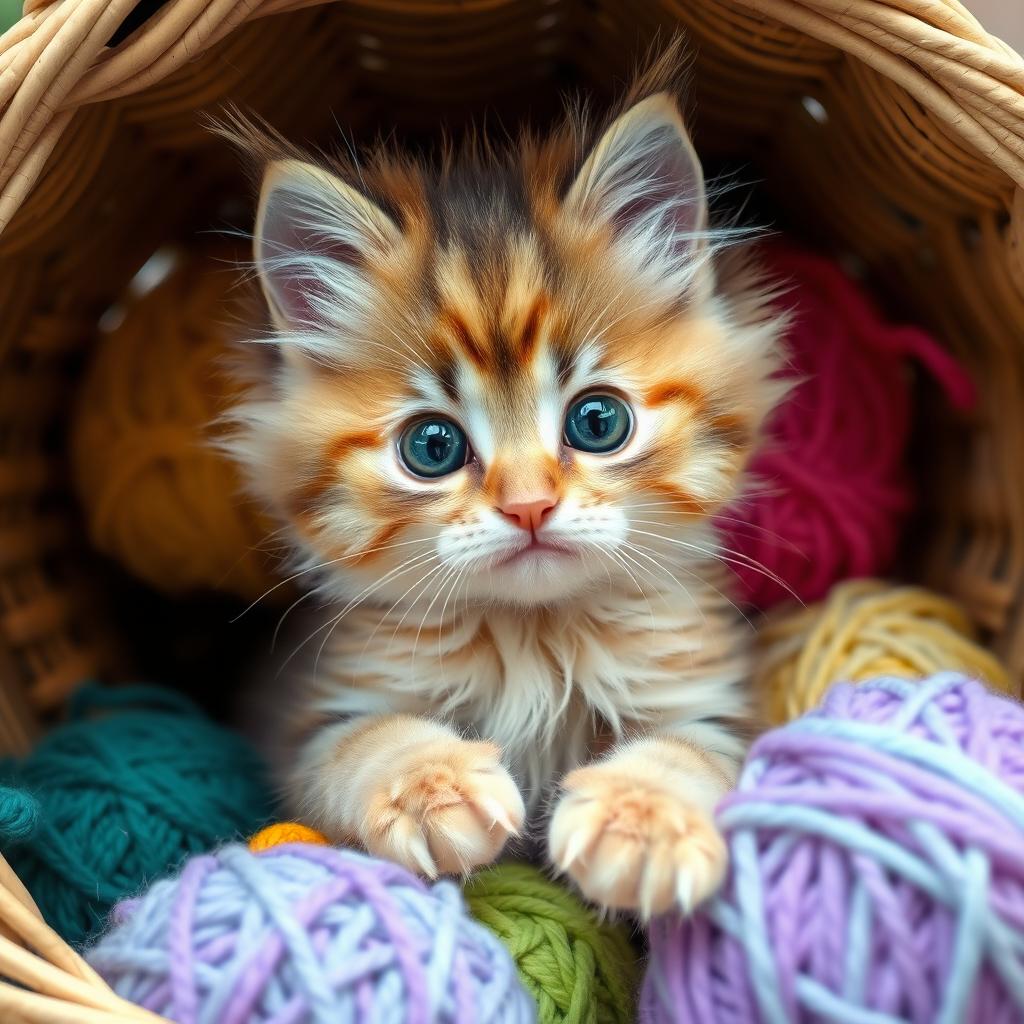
(513, 390)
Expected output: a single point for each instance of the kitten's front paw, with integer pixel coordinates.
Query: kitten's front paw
(631, 844)
(449, 806)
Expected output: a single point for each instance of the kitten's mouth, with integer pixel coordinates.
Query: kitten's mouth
(535, 549)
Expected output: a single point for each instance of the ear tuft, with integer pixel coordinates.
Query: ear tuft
(315, 237)
(643, 181)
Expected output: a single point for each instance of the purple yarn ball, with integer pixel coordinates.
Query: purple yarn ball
(877, 871)
(303, 933)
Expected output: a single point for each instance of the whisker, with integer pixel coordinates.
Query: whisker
(290, 579)
(421, 583)
(325, 565)
(693, 600)
(783, 542)
(310, 593)
(631, 311)
(585, 336)
(405, 344)
(707, 583)
(284, 615)
(410, 563)
(453, 570)
(738, 557)
(459, 577)
(647, 600)
(383, 617)
(726, 556)
(618, 557)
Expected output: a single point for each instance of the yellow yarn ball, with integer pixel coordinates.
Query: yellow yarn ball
(863, 629)
(157, 495)
(285, 832)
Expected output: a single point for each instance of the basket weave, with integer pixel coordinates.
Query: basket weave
(892, 129)
(59, 986)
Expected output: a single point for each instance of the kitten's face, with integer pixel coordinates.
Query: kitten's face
(507, 382)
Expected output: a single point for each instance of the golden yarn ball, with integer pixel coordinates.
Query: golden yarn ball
(283, 832)
(864, 629)
(157, 494)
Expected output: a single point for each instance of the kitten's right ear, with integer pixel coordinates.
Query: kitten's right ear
(644, 182)
(315, 237)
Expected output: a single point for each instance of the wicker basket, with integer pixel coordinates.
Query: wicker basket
(891, 130)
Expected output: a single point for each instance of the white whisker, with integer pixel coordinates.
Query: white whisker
(410, 563)
(725, 556)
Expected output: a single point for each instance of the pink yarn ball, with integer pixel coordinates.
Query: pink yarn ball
(831, 488)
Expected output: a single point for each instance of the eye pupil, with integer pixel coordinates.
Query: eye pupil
(433, 448)
(598, 423)
(436, 442)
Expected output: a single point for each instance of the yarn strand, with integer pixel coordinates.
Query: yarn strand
(302, 932)
(876, 869)
(136, 780)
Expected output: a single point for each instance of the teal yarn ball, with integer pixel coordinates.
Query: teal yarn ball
(137, 780)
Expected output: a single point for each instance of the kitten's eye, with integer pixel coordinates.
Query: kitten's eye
(433, 447)
(598, 423)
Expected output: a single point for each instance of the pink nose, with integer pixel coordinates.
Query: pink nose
(528, 515)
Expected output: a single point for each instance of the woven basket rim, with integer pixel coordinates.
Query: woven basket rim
(55, 61)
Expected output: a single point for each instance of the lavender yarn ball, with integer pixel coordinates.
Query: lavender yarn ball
(303, 933)
(877, 870)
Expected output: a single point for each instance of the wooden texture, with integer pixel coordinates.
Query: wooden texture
(42, 979)
(890, 130)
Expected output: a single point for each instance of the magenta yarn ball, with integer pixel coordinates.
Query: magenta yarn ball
(877, 870)
(830, 487)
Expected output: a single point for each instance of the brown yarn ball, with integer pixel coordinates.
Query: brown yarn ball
(157, 495)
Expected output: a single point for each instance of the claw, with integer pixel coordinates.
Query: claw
(574, 850)
(497, 814)
(648, 885)
(684, 892)
(421, 854)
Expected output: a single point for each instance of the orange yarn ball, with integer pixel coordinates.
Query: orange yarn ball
(285, 832)
(157, 494)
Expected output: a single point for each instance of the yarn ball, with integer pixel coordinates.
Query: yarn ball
(115, 798)
(877, 871)
(304, 933)
(283, 832)
(579, 969)
(865, 628)
(830, 487)
(157, 494)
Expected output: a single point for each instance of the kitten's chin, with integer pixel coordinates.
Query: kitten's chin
(538, 576)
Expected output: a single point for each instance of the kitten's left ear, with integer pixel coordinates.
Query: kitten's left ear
(644, 181)
(315, 238)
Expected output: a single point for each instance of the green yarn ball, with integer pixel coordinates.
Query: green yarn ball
(135, 782)
(10, 12)
(580, 970)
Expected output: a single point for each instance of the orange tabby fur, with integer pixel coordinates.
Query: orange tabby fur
(451, 694)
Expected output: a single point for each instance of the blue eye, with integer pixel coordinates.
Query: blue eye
(598, 423)
(433, 447)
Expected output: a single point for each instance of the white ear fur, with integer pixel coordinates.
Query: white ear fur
(644, 181)
(313, 236)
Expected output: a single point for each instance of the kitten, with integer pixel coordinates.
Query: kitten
(513, 391)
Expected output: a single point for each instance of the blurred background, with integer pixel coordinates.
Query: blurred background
(1003, 18)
